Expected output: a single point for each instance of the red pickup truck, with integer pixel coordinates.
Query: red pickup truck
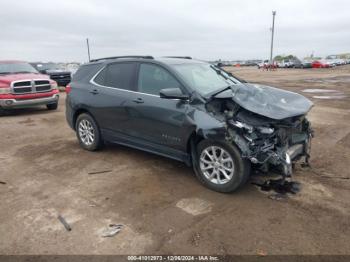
(21, 85)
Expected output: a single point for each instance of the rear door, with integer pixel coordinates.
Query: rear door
(112, 91)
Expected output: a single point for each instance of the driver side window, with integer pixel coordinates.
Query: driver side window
(153, 78)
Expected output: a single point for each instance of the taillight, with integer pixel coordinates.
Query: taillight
(5, 90)
(68, 89)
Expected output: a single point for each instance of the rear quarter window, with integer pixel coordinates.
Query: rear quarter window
(86, 72)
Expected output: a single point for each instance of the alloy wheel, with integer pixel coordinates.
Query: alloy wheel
(216, 165)
(86, 132)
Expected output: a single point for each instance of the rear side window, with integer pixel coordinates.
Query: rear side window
(153, 78)
(118, 75)
(100, 78)
(86, 72)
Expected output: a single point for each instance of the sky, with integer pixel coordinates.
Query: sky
(43, 30)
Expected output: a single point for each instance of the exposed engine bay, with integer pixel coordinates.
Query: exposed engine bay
(266, 142)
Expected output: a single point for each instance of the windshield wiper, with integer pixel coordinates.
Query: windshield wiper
(222, 73)
(212, 94)
(230, 74)
(218, 71)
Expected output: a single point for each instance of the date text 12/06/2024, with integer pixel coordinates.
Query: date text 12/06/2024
(173, 258)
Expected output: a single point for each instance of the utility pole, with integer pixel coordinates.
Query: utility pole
(88, 48)
(272, 33)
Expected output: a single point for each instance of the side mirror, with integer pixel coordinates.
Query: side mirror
(173, 93)
(43, 71)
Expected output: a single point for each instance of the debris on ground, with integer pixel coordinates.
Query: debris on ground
(195, 238)
(261, 253)
(3, 183)
(112, 230)
(280, 186)
(305, 165)
(64, 223)
(100, 172)
(278, 196)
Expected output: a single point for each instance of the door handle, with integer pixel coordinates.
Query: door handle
(94, 91)
(138, 100)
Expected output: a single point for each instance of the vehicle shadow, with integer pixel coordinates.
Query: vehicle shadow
(26, 111)
(172, 170)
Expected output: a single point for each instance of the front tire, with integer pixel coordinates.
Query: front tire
(220, 166)
(88, 132)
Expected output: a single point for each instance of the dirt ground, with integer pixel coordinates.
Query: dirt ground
(163, 208)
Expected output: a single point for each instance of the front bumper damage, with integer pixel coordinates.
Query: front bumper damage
(277, 150)
(268, 124)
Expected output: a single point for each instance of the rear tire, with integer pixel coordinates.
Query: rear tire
(88, 132)
(226, 157)
(52, 106)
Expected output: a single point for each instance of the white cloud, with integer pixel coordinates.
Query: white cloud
(206, 29)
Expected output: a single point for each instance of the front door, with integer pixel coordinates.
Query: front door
(159, 121)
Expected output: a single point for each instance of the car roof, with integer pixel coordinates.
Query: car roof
(164, 60)
(178, 61)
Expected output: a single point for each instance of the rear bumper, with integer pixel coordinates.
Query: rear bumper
(11, 103)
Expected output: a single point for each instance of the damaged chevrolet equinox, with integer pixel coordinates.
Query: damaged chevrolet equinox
(191, 111)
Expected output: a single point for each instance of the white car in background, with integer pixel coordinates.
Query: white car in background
(330, 62)
(287, 63)
(262, 64)
(340, 61)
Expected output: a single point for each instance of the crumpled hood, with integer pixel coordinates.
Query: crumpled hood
(268, 101)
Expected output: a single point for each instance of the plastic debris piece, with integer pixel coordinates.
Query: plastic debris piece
(278, 196)
(112, 230)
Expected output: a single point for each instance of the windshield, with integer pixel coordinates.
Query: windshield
(13, 68)
(205, 78)
(47, 66)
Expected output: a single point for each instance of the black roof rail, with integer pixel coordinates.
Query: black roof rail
(183, 57)
(126, 56)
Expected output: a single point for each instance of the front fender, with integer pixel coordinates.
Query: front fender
(207, 125)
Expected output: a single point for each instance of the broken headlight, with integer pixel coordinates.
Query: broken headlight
(265, 130)
(249, 128)
(238, 124)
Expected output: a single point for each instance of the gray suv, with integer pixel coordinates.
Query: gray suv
(191, 111)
